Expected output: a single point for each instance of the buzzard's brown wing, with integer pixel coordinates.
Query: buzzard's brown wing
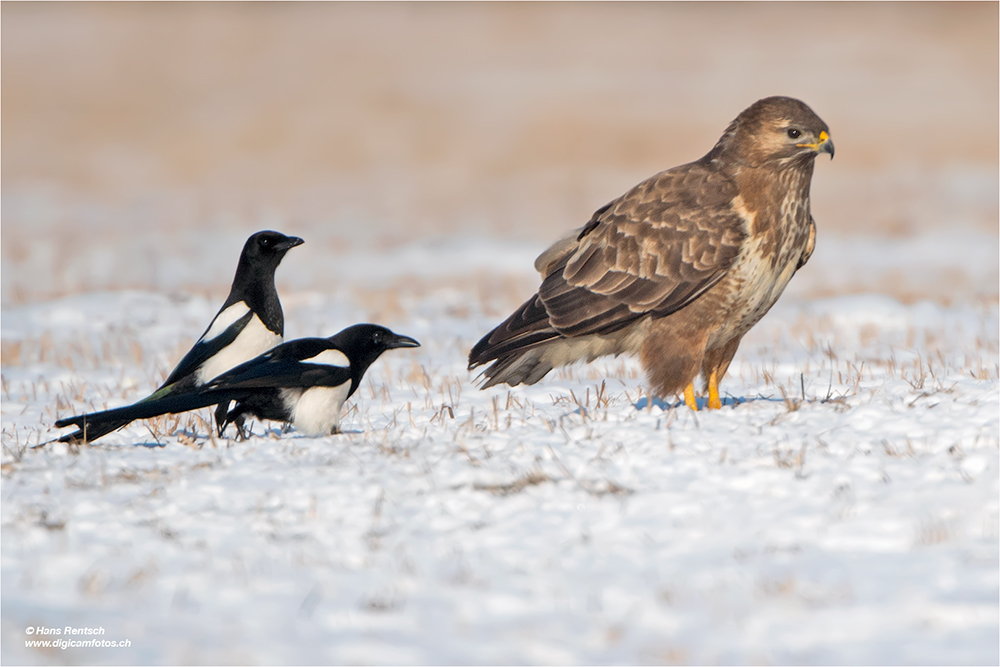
(652, 251)
(810, 244)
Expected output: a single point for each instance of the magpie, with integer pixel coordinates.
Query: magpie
(303, 382)
(306, 381)
(249, 323)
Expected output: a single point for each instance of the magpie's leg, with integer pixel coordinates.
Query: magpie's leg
(243, 433)
(221, 417)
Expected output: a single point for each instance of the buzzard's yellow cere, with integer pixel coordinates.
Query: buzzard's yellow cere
(680, 267)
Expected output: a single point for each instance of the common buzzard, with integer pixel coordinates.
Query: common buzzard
(680, 267)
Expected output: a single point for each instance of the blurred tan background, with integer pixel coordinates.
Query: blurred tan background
(142, 142)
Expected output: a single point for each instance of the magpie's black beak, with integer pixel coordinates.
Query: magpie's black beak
(289, 243)
(400, 341)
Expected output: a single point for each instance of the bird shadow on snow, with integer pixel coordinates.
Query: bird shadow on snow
(150, 445)
(702, 402)
(643, 402)
(153, 444)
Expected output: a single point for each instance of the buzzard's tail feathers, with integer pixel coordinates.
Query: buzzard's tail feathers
(516, 347)
(526, 367)
(526, 329)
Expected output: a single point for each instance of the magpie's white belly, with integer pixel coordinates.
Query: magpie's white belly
(316, 411)
(254, 340)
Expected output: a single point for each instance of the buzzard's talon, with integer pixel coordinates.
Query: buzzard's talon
(689, 399)
(714, 402)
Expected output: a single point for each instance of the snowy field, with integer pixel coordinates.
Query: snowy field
(841, 508)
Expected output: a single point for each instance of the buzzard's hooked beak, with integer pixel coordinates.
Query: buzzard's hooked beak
(824, 145)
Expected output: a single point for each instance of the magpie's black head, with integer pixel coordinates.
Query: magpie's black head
(254, 280)
(267, 248)
(364, 343)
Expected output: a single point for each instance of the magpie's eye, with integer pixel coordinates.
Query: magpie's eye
(793, 133)
(377, 337)
(265, 242)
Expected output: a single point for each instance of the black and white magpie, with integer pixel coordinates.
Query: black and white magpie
(302, 382)
(249, 323)
(305, 382)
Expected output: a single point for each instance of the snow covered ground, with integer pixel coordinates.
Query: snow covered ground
(841, 508)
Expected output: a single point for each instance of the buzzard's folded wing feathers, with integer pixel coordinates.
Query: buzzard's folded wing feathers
(810, 244)
(612, 282)
(653, 251)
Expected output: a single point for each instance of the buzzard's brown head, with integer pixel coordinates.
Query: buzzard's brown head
(774, 131)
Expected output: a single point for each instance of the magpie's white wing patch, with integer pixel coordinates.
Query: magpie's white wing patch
(254, 340)
(225, 319)
(329, 358)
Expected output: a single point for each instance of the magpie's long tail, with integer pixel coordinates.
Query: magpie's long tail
(90, 428)
(94, 425)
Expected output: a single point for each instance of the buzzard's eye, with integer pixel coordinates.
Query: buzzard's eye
(793, 133)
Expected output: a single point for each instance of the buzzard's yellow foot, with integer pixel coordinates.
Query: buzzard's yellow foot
(714, 402)
(689, 398)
